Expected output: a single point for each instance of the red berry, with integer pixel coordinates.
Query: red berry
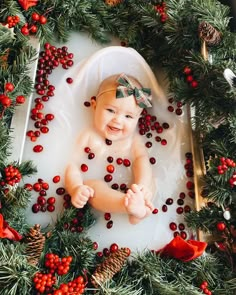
(35, 16)
(110, 168)
(56, 179)
(221, 226)
(114, 247)
(42, 19)
(164, 208)
(95, 245)
(109, 224)
(126, 162)
(173, 226)
(169, 201)
(41, 200)
(84, 168)
(36, 208)
(152, 160)
(51, 200)
(155, 211)
(50, 208)
(20, 99)
(108, 177)
(107, 216)
(9, 87)
(60, 191)
(25, 30)
(69, 80)
(38, 148)
(119, 161)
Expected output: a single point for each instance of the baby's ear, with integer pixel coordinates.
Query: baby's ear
(93, 102)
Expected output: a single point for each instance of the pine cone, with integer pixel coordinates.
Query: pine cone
(209, 34)
(110, 266)
(35, 241)
(113, 2)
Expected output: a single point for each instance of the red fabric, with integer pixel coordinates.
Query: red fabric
(183, 250)
(7, 232)
(26, 4)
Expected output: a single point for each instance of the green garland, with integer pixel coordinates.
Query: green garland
(171, 42)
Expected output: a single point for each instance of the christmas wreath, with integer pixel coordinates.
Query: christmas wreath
(195, 43)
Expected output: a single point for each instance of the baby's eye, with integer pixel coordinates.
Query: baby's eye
(129, 117)
(111, 110)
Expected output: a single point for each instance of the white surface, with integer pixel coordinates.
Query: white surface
(71, 116)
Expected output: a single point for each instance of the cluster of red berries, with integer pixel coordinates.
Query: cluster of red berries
(106, 252)
(12, 20)
(11, 176)
(43, 282)
(189, 77)
(76, 224)
(177, 108)
(75, 287)
(161, 9)
(49, 59)
(6, 101)
(32, 26)
(204, 288)
(58, 265)
(42, 187)
(227, 163)
(189, 173)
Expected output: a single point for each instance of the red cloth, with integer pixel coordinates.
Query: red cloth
(183, 250)
(8, 232)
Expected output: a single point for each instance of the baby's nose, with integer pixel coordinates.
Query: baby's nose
(117, 118)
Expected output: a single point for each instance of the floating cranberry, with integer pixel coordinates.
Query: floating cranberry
(148, 144)
(159, 129)
(158, 138)
(182, 195)
(67, 197)
(69, 80)
(155, 211)
(43, 192)
(152, 160)
(36, 208)
(110, 168)
(108, 141)
(41, 200)
(38, 148)
(173, 226)
(109, 159)
(181, 226)
(109, 224)
(99, 254)
(164, 208)
(169, 201)
(180, 202)
(176, 234)
(191, 194)
(189, 173)
(80, 229)
(183, 235)
(45, 185)
(107, 216)
(28, 187)
(178, 111)
(106, 252)
(87, 150)
(190, 185)
(126, 162)
(95, 245)
(180, 210)
(60, 191)
(51, 200)
(163, 142)
(50, 208)
(87, 104)
(43, 208)
(56, 178)
(84, 168)
(44, 129)
(187, 209)
(108, 177)
(115, 186)
(91, 156)
(221, 226)
(119, 161)
(114, 247)
(37, 187)
(165, 125)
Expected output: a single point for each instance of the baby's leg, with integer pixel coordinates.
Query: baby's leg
(106, 199)
(136, 205)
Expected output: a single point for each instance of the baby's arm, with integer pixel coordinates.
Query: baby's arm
(74, 185)
(142, 170)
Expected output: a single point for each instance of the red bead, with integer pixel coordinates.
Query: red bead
(84, 168)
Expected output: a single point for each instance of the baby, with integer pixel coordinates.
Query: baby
(117, 108)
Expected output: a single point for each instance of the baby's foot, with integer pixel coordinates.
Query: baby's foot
(135, 203)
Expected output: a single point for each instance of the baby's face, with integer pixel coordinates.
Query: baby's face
(116, 118)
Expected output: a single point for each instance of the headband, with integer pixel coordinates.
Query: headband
(127, 88)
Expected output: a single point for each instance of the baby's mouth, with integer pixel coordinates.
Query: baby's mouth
(113, 129)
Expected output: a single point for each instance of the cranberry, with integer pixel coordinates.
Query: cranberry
(37, 187)
(108, 141)
(169, 201)
(106, 252)
(36, 208)
(155, 211)
(180, 202)
(187, 209)
(107, 216)
(50, 208)
(114, 247)
(91, 156)
(180, 210)
(119, 161)
(182, 195)
(42, 192)
(148, 144)
(115, 186)
(108, 177)
(178, 111)
(95, 245)
(110, 168)
(79, 229)
(56, 179)
(87, 150)
(69, 80)
(176, 234)
(173, 226)
(51, 200)
(87, 104)
(109, 224)
(60, 191)
(164, 142)
(84, 168)
(183, 235)
(38, 148)
(152, 160)
(164, 208)
(181, 226)
(109, 159)
(123, 186)
(126, 162)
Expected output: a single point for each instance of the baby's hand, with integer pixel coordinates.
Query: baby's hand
(80, 195)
